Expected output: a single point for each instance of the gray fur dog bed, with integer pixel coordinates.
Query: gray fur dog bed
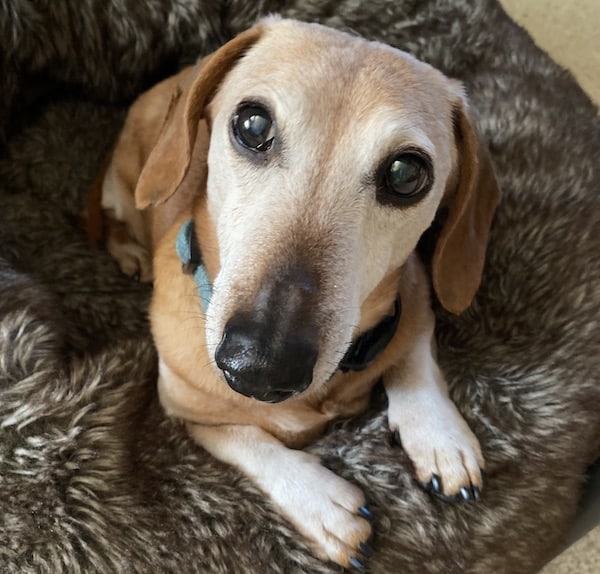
(94, 478)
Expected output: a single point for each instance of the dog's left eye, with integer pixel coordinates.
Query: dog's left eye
(404, 178)
(252, 127)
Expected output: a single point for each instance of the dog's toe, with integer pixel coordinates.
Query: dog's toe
(365, 513)
(347, 544)
(459, 472)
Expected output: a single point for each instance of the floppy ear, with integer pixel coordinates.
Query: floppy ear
(472, 197)
(169, 160)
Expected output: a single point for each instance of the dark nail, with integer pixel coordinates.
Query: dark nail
(365, 513)
(365, 550)
(465, 493)
(356, 563)
(136, 276)
(396, 437)
(476, 493)
(436, 484)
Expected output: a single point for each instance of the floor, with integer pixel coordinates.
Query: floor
(583, 557)
(568, 31)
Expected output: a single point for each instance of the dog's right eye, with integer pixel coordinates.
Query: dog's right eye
(253, 127)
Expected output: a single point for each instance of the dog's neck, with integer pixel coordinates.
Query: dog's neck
(361, 353)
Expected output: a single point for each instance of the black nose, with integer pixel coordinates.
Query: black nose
(257, 367)
(269, 351)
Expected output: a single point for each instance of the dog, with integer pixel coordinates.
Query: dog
(275, 194)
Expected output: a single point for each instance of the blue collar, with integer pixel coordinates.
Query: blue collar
(191, 260)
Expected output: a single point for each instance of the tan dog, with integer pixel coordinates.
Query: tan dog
(310, 163)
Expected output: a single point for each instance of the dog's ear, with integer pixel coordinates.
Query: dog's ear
(471, 199)
(169, 160)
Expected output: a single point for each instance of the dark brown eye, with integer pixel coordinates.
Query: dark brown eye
(253, 128)
(404, 178)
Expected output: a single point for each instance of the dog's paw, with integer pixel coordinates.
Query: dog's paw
(445, 453)
(329, 511)
(133, 259)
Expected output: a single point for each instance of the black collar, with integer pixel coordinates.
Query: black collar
(370, 344)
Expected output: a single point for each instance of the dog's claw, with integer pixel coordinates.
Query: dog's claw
(356, 563)
(365, 550)
(365, 513)
(465, 493)
(435, 484)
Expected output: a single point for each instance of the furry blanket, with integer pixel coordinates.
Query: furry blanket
(94, 478)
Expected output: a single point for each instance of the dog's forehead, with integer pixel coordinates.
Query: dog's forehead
(330, 78)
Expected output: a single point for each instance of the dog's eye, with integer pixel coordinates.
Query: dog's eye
(253, 127)
(405, 179)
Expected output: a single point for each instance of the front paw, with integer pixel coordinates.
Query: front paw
(329, 511)
(445, 454)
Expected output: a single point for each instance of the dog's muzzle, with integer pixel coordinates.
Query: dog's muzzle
(269, 351)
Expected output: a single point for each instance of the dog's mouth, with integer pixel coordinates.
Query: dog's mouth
(267, 396)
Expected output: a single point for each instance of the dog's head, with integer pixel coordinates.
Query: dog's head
(329, 157)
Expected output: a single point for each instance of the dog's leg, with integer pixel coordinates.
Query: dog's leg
(329, 511)
(124, 227)
(444, 451)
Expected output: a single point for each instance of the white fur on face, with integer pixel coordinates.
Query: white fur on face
(314, 198)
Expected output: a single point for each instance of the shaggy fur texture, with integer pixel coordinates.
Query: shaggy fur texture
(93, 477)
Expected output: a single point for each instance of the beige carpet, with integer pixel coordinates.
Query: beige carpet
(568, 31)
(581, 558)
